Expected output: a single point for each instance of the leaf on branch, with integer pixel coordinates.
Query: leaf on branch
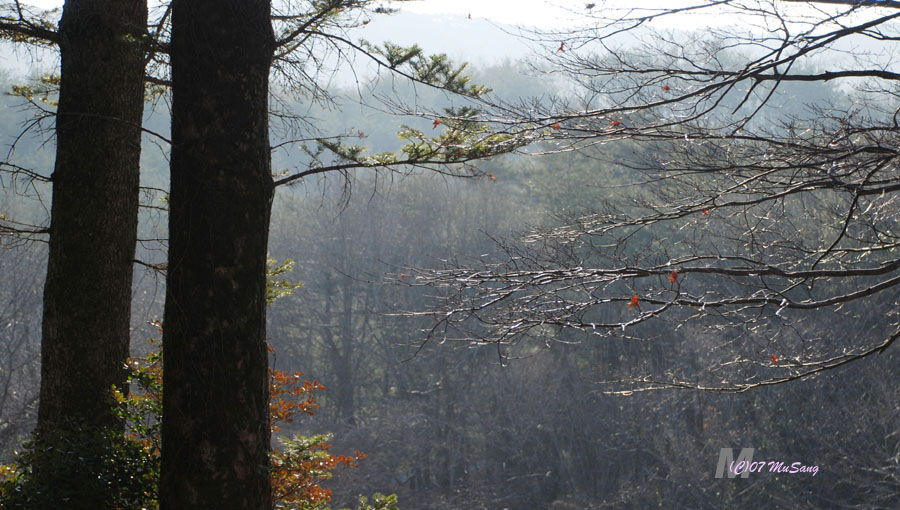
(635, 302)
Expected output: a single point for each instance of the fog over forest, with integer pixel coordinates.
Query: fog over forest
(435, 381)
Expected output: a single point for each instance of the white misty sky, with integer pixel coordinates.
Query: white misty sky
(530, 12)
(547, 14)
(511, 12)
(442, 26)
(542, 13)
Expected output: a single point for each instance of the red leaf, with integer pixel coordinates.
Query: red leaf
(705, 212)
(634, 302)
(436, 122)
(402, 276)
(555, 126)
(774, 359)
(665, 88)
(562, 46)
(673, 278)
(615, 123)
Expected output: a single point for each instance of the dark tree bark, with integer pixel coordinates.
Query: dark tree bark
(215, 434)
(87, 295)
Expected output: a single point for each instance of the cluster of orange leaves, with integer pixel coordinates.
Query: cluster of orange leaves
(299, 397)
(297, 483)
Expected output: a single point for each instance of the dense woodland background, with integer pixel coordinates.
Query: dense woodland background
(449, 426)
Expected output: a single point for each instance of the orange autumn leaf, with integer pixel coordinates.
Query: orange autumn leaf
(634, 302)
(435, 124)
(705, 212)
(555, 125)
(615, 123)
(402, 276)
(673, 278)
(665, 88)
(774, 359)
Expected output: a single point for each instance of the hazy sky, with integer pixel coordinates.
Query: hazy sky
(544, 13)
(443, 26)
(512, 12)
(529, 12)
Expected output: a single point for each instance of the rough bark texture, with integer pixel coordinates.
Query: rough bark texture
(215, 433)
(87, 295)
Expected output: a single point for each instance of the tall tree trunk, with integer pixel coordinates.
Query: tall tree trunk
(87, 295)
(345, 375)
(215, 432)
